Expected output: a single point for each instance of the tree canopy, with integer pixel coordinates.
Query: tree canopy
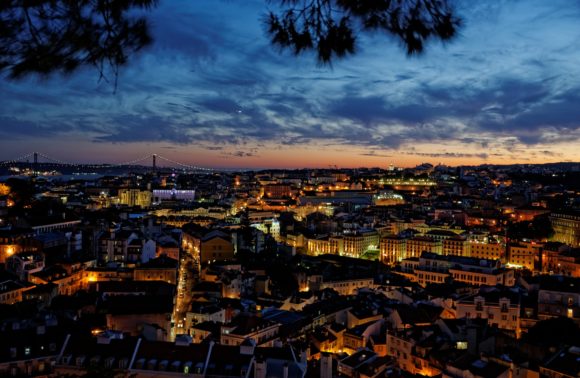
(539, 228)
(330, 27)
(60, 36)
(48, 36)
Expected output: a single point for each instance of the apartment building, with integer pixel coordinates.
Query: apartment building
(500, 308)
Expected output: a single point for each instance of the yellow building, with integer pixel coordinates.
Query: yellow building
(356, 244)
(524, 255)
(345, 287)
(67, 281)
(566, 228)
(206, 246)
(425, 277)
(103, 274)
(216, 246)
(325, 245)
(276, 191)
(420, 244)
(457, 246)
(393, 249)
(135, 197)
(295, 240)
(486, 276)
(435, 268)
(491, 251)
(351, 245)
(302, 211)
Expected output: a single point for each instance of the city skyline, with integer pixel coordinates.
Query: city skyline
(211, 91)
(46, 164)
(290, 188)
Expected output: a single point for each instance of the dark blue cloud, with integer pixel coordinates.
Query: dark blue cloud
(150, 129)
(364, 109)
(12, 128)
(221, 105)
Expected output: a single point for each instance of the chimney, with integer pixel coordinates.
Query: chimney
(325, 365)
(260, 368)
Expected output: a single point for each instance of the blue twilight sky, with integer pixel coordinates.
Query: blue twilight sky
(212, 91)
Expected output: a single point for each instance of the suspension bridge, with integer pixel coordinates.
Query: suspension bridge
(154, 161)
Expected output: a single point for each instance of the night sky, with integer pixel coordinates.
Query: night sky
(212, 91)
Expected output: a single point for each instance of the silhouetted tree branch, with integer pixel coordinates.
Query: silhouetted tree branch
(329, 27)
(46, 36)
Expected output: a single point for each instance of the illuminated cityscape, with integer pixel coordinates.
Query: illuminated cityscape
(290, 189)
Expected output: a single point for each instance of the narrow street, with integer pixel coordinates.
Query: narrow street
(185, 281)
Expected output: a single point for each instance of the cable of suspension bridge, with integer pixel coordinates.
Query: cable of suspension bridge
(192, 167)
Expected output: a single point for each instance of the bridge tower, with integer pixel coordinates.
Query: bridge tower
(154, 162)
(35, 164)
